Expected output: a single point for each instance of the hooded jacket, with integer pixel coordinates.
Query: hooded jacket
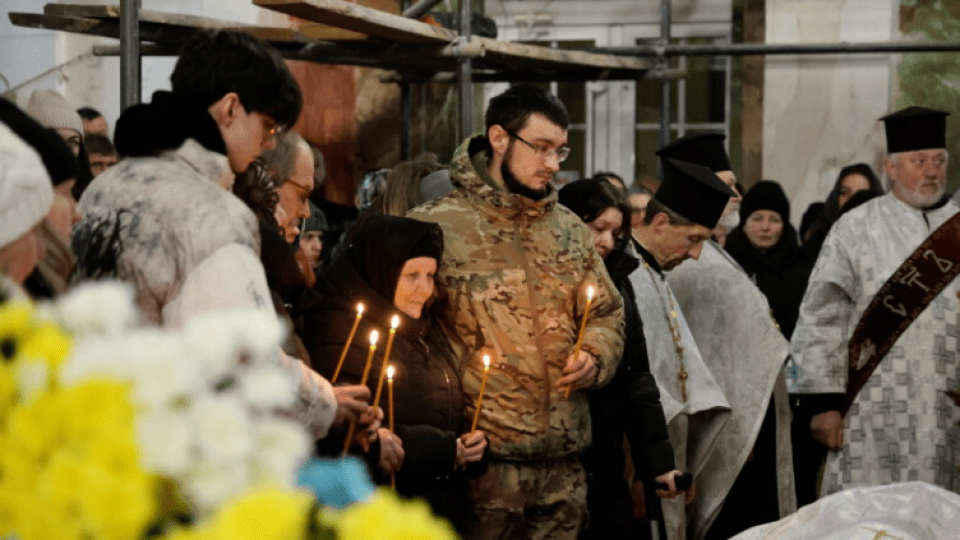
(512, 283)
(161, 221)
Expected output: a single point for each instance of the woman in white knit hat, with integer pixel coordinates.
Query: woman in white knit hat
(25, 196)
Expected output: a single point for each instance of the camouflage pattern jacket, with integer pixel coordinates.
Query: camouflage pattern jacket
(512, 283)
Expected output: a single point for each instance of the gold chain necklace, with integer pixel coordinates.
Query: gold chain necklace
(673, 323)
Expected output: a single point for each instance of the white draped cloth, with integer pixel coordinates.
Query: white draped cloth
(902, 426)
(908, 511)
(731, 321)
(693, 424)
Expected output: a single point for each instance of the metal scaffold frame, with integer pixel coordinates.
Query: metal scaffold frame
(418, 52)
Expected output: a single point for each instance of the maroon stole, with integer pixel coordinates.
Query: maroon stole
(900, 301)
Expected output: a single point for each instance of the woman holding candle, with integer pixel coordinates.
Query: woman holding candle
(630, 404)
(389, 267)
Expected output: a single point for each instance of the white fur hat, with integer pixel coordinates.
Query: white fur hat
(52, 110)
(25, 189)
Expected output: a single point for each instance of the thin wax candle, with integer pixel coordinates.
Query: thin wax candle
(374, 336)
(583, 326)
(346, 346)
(483, 386)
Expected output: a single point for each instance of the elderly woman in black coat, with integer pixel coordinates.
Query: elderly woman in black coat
(389, 267)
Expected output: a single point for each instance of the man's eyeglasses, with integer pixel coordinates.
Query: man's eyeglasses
(544, 152)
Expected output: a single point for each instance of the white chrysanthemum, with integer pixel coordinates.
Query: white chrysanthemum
(31, 377)
(165, 442)
(210, 484)
(222, 428)
(268, 387)
(282, 448)
(214, 343)
(93, 357)
(97, 308)
(165, 374)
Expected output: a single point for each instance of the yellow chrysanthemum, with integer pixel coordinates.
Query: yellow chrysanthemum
(114, 506)
(16, 322)
(98, 406)
(266, 514)
(387, 517)
(47, 342)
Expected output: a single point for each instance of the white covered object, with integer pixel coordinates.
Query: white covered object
(907, 511)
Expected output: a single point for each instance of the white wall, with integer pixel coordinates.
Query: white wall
(820, 112)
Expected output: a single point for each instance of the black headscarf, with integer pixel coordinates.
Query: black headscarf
(380, 249)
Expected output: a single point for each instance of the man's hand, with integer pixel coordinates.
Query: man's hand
(579, 372)
(827, 429)
(668, 479)
(391, 451)
(470, 448)
(351, 403)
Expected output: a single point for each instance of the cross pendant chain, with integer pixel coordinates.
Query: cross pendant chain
(682, 377)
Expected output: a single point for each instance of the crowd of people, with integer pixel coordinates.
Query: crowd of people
(563, 356)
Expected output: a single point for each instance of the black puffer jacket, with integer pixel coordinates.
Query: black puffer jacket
(428, 399)
(629, 405)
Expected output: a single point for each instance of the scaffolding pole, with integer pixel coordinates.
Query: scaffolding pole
(130, 83)
(666, 85)
(748, 49)
(465, 82)
(420, 8)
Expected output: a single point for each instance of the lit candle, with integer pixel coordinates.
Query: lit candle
(390, 371)
(394, 323)
(483, 385)
(583, 325)
(374, 336)
(393, 476)
(346, 347)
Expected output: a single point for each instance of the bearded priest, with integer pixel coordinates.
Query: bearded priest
(876, 342)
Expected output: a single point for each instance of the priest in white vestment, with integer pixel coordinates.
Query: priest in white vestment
(678, 220)
(748, 477)
(902, 426)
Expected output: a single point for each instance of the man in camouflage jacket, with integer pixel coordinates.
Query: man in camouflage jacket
(512, 284)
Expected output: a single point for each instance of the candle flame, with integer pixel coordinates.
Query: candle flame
(359, 309)
(389, 373)
(374, 336)
(486, 361)
(590, 293)
(395, 322)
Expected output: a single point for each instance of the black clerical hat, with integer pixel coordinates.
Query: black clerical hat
(915, 128)
(704, 149)
(693, 191)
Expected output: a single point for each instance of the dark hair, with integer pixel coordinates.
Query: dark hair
(214, 63)
(98, 144)
(655, 207)
(608, 176)
(831, 207)
(511, 109)
(88, 113)
(257, 188)
(590, 197)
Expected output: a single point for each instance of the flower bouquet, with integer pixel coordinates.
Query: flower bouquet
(113, 431)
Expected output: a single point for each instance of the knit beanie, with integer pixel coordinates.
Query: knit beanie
(316, 222)
(56, 155)
(25, 190)
(52, 110)
(765, 195)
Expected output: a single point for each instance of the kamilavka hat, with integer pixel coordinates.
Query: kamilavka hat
(693, 191)
(915, 128)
